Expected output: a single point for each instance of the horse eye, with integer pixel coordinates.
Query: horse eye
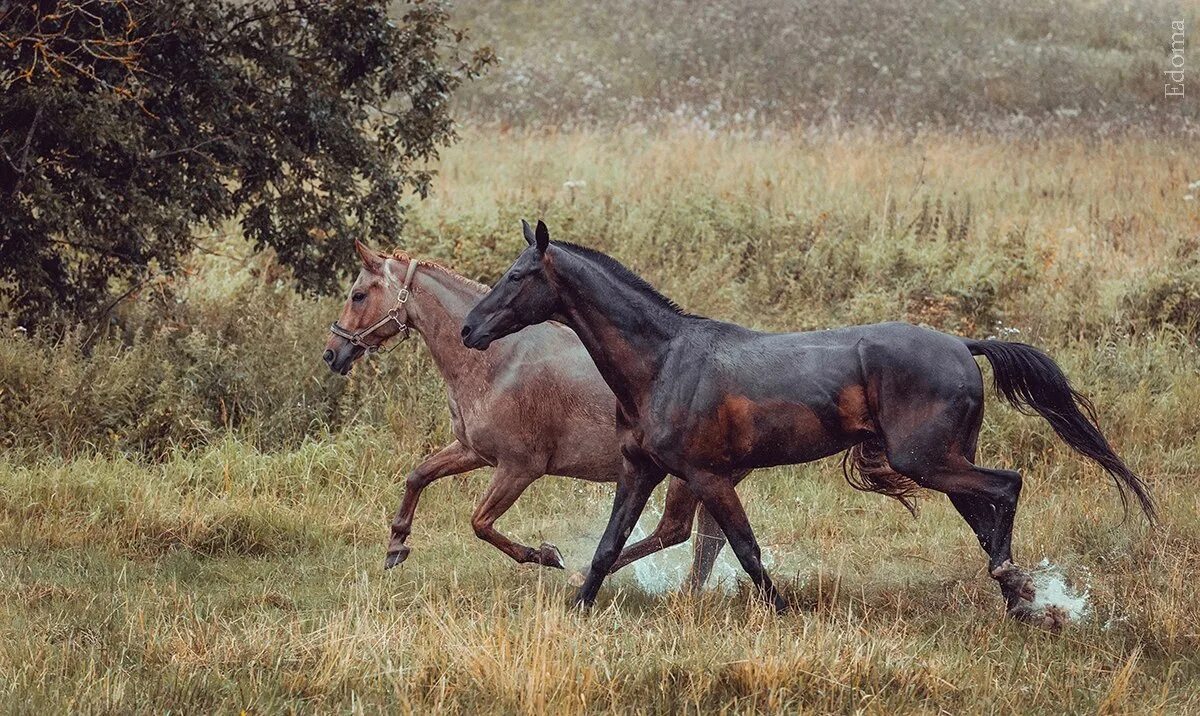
(514, 277)
(358, 296)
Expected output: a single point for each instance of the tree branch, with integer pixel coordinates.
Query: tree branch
(37, 116)
(185, 150)
(103, 315)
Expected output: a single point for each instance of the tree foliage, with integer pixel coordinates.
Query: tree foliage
(131, 127)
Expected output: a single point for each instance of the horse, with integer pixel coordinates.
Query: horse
(707, 401)
(534, 405)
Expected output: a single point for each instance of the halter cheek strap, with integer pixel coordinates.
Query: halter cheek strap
(356, 338)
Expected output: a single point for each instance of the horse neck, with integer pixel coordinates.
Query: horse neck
(440, 301)
(626, 332)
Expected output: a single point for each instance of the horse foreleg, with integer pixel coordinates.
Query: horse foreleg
(453, 459)
(506, 486)
(706, 545)
(720, 499)
(674, 527)
(639, 477)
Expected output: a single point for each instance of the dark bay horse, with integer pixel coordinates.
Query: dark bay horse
(533, 405)
(708, 401)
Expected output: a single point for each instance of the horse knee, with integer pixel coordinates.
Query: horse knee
(482, 526)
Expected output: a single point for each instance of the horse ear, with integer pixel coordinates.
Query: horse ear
(528, 231)
(542, 237)
(371, 260)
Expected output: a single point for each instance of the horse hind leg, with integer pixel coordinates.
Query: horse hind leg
(679, 509)
(866, 468)
(987, 499)
(673, 528)
(506, 486)
(706, 546)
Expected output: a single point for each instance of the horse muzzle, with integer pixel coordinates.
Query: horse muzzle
(340, 359)
(476, 338)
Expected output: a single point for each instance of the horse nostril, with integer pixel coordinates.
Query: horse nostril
(328, 356)
(466, 331)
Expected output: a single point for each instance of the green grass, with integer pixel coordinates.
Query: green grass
(193, 515)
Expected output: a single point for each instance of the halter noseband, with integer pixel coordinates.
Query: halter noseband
(357, 337)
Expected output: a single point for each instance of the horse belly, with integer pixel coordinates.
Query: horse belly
(788, 434)
(744, 434)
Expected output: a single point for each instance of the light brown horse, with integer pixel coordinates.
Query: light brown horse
(534, 405)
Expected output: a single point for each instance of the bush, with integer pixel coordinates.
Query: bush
(1166, 298)
(189, 368)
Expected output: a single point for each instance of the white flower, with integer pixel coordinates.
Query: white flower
(574, 184)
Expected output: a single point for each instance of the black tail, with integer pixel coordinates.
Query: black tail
(1032, 382)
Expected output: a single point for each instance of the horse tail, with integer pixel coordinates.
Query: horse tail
(1032, 382)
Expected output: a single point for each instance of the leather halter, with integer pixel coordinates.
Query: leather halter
(393, 315)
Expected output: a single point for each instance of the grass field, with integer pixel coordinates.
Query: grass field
(1020, 67)
(192, 518)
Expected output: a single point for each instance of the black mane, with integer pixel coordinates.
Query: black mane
(624, 272)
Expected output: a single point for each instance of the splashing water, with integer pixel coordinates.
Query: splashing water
(1053, 591)
(666, 570)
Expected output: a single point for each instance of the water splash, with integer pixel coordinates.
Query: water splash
(1053, 591)
(667, 570)
(662, 572)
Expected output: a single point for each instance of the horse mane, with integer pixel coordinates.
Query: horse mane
(445, 270)
(624, 273)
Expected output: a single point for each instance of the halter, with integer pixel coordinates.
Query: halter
(357, 337)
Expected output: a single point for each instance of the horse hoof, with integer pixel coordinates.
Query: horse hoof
(1016, 585)
(396, 558)
(1050, 618)
(549, 556)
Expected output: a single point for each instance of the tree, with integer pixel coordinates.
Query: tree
(129, 127)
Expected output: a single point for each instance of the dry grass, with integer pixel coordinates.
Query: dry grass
(1020, 66)
(133, 588)
(223, 576)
